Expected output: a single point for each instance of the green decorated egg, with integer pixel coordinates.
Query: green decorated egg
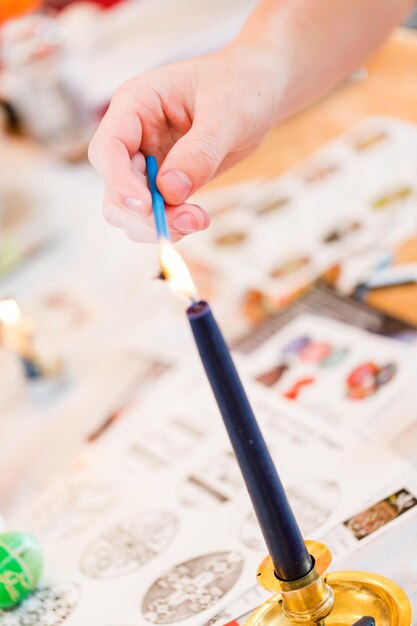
(20, 567)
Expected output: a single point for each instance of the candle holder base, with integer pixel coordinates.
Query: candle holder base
(356, 594)
(329, 599)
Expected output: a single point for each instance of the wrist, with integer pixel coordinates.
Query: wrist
(266, 70)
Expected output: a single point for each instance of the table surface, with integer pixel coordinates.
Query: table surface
(389, 89)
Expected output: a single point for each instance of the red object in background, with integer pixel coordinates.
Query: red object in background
(61, 4)
(362, 382)
(294, 391)
(15, 8)
(107, 3)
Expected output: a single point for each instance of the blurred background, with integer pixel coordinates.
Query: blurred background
(66, 58)
(86, 288)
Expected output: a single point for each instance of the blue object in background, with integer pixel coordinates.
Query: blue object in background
(158, 204)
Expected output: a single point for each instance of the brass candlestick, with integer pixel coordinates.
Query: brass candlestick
(334, 599)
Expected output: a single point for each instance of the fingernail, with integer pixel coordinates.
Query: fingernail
(185, 223)
(177, 183)
(134, 204)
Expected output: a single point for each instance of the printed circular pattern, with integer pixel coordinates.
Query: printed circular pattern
(71, 508)
(312, 504)
(191, 587)
(129, 545)
(48, 606)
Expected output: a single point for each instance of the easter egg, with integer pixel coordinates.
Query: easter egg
(272, 376)
(335, 358)
(362, 381)
(315, 352)
(20, 567)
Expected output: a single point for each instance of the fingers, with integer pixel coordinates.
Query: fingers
(193, 160)
(113, 153)
(182, 220)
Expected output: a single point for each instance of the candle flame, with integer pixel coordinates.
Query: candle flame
(10, 313)
(176, 272)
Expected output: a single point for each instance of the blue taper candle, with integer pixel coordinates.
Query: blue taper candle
(158, 204)
(276, 519)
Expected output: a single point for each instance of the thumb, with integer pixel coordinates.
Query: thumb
(192, 161)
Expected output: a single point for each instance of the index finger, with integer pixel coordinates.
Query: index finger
(116, 141)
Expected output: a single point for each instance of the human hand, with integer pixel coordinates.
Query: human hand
(198, 118)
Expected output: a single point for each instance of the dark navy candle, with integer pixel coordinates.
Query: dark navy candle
(276, 519)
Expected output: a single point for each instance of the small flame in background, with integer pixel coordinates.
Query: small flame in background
(176, 272)
(16, 329)
(10, 313)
